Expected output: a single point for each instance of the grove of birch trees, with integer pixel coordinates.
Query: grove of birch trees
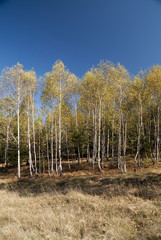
(106, 117)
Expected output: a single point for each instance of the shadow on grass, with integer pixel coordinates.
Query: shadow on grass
(146, 186)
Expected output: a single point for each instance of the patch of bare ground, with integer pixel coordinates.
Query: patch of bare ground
(79, 205)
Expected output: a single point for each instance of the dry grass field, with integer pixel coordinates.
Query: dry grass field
(82, 205)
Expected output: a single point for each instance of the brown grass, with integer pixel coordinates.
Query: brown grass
(98, 206)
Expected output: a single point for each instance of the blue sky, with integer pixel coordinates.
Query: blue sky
(80, 32)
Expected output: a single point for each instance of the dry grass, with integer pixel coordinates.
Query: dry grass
(87, 207)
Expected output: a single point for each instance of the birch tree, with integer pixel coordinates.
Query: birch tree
(14, 83)
(153, 81)
(59, 84)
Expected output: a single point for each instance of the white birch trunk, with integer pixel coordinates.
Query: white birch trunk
(108, 143)
(138, 146)
(141, 131)
(103, 142)
(47, 151)
(113, 122)
(96, 137)
(94, 141)
(18, 129)
(67, 144)
(158, 136)
(34, 144)
(52, 155)
(56, 149)
(88, 151)
(39, 153)
(149, 128)
(60, 160)
(7, 144)
(124, 143)
(119, 138)
(29, 139)
(76, 119)
(99, 137)
(155, 140)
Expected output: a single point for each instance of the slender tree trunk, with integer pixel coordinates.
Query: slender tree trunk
(119, 138)
(93, 154)
(82, 153)
(149, 129)
(141, 117)
(149, 137)
(141, 131)
(94, 140)
(79, 160)
(155, 140)
(112, 142)
(47, 149)
(113, 122)
(103, 141)
(158, 136)
(7, 144)
(153, 160)
(96, 136)
(56, 149)
(88, 151)
(39, 153)
(67, 144)
(43, 163)
(138, 146)
(99, 137)
(29, 140)
(33, 126)
(60, 160)
(108, 143)
(52, 155)
(18, 130)
(124, 143)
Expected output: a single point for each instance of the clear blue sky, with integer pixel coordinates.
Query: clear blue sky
(80, 32)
